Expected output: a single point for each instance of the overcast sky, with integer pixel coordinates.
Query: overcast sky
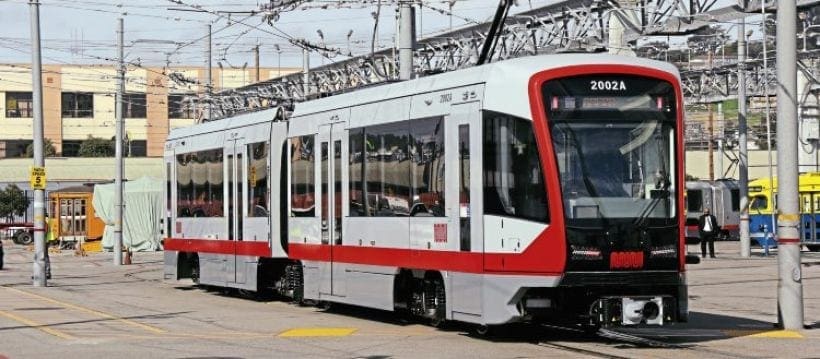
(83, 31)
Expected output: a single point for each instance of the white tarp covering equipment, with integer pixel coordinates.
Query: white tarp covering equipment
(142, 201)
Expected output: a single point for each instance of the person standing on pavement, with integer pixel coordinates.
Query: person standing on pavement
(708, 228)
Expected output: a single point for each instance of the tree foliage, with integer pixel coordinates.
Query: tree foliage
(48, 149)
(96, 147)
(13, 202)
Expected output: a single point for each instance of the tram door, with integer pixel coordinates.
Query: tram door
(463, 193)
(809, 209)
(235, 179)
(72, 219)
(332, 139)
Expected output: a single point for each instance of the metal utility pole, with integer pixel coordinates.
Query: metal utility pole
(118, 147)
(208, 80)
(743, 176)
(768, 115)
(39, 266)
(306, 71)
(790, 287)
(407, 39)
(709, 144)
(256, 62)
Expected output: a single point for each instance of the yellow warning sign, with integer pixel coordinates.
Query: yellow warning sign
(38, 178)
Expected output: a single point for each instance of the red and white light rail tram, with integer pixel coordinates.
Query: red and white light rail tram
(543, 188)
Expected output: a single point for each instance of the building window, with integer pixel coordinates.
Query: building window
(179, 107)
(71, 148)
(19, 105)
(137, 148)
(14, 148)
(133, 105)
(78, 105)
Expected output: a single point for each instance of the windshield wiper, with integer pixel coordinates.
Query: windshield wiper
(661, 192)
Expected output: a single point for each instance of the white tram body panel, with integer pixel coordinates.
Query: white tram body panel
(357, 229)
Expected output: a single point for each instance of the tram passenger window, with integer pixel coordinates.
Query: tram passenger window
(199, 184)
(303, 176)
(426, 156)
(513, 180)
(694, 201)
(357, 206)
(185, 188)
(258, 205)
(759, 202)
(388, 190)
(735, 193)
(168, 188)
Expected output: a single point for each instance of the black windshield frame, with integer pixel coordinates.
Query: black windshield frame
(651, 101)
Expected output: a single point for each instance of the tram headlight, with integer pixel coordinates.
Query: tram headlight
(586, 253)
(669, 251)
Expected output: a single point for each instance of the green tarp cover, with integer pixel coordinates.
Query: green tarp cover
(142, 200)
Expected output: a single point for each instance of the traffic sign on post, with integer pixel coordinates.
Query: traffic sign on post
(38, 178)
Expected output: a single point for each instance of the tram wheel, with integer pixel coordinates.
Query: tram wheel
(24, 238)
(483, 330)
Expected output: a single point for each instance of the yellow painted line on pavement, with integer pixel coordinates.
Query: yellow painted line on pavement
(317, 332)
(145, 327)
(779, 334)
(36, 325)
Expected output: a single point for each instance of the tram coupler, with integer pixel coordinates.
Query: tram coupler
(628, 311)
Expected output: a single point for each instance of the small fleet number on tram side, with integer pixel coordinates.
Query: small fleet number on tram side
(613, 85)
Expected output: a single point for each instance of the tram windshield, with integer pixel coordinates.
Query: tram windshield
(614, 140)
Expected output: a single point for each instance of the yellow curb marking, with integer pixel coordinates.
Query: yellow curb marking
(317, 332)
(779, 334)
(36, 325)
(91, 311)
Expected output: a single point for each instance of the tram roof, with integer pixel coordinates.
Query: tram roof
(240, 120)
(505, 90)
(506, 82)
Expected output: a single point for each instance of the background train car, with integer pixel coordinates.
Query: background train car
(547, 188)
(761, 192)
(722, 197)
(72, 216)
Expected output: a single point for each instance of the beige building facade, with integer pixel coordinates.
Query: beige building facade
(79, 102)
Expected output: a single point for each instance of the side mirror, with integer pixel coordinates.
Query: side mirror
(692, 259)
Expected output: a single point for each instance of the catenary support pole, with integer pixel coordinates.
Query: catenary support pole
(306, 71)
(407, 39)
(743, 156)
(790, 287)
(209, 85)
(39, 267)
(118, 205)
(256, 63)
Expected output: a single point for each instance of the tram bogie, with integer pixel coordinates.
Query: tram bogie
(508, 192)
